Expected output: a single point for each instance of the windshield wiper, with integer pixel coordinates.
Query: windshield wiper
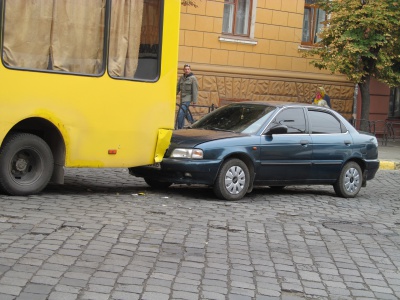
(209, 127)
(220, 129)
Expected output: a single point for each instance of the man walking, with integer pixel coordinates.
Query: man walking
(189, 88)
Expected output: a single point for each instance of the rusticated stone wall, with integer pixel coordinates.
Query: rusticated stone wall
(220, 90)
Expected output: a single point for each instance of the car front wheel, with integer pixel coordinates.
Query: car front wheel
(232, 180)
(350, 180)
(155, 184)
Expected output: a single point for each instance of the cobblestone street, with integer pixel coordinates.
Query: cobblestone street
(107, 235)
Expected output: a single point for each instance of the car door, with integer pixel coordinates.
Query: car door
(332, 144)
(286, 157)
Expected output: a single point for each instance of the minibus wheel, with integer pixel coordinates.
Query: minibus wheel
(26, 164)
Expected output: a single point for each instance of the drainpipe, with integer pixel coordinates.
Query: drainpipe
(354, 115)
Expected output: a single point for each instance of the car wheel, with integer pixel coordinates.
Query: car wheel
(232, 180)
(155, 184)
(26, 164)
(350, 180)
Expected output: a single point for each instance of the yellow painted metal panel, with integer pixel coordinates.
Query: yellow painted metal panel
(163, 139)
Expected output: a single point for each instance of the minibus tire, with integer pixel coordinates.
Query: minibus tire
(26, 164)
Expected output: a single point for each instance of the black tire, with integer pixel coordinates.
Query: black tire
(155, 184)
(232, 180)
(26, 164)
(350, 181)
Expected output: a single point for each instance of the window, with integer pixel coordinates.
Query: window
(236, 117)
(293, 118)
(313, 23)
(69, 37)
(322, 122)
(63, 36)
(394, 103)
(237, 17)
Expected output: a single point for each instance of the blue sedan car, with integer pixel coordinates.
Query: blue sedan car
(247, 144)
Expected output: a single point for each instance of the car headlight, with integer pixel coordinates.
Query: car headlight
(187, 153)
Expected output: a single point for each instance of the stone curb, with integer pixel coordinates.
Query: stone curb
(389, 165)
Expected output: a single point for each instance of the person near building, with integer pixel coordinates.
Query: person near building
(189, 89)
(321, 98)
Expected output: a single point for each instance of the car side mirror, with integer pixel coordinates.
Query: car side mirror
(278, 129)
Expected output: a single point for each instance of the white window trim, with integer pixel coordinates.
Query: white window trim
(305, 47)
(253, 19)
(236, 40)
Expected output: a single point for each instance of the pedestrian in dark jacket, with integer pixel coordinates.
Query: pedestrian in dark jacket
(189, 89)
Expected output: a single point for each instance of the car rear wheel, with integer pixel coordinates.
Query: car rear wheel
(155, 184)
(232, 180)
(350, 181)
(26, 164)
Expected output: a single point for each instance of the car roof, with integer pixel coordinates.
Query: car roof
(276, 103)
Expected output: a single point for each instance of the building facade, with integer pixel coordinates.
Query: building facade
(243, 50)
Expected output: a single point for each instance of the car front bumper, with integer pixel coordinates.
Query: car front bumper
(188, 171)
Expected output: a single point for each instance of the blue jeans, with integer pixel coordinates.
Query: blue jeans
(183, 112)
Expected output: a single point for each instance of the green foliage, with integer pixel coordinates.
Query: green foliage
(189, 3)
(360, 41)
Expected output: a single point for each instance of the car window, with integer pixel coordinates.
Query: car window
(246, 118)
(324, 122)
(293, 118)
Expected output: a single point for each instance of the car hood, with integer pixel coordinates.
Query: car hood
(191, 137)
(365, 132)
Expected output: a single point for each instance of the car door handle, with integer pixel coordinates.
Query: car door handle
(304, 142)
(347, 142)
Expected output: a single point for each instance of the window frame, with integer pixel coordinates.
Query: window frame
(295, 129)
(312, 120)
(313, 9)
(105, 43)
(235, 4)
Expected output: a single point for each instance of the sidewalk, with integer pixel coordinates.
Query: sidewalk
(389, 155)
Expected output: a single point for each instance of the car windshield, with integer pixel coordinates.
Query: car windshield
(244, 118)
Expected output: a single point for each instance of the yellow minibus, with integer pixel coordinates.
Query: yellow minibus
(84, 84)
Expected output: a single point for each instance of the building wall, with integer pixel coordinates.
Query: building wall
(272, 69)
(379, 105)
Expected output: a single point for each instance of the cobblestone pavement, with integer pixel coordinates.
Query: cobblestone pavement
(106, 235)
